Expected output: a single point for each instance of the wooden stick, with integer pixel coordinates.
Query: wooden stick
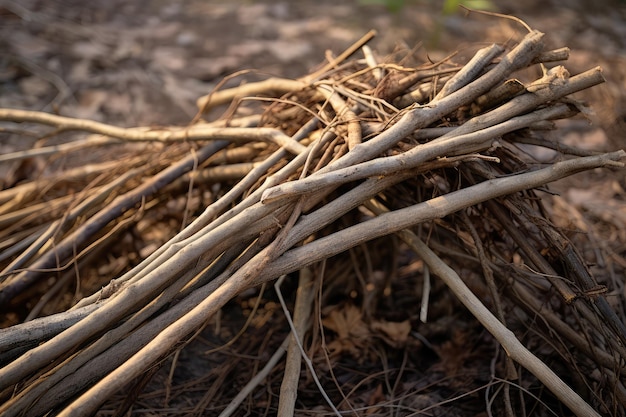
(437, 207)
(453, 145)
(20, 282)
(272, 86)
(300, 325)
(469, 72)
(93, 398)
(164, 252)
(174, 134)
(344, 113)
(514, 348)
(97, 197)
(110, 351)
(422, 116)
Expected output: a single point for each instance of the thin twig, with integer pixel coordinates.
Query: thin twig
(20, 282)
(299, 325)
(507, 339)
(256, 380)
(271, 86)
(144, 134)
(431, 209)
(453, 145)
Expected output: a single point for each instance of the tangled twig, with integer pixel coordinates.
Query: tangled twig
(301, 172)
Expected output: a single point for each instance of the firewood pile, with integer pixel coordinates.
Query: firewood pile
(364, 190)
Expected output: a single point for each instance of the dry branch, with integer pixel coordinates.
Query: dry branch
(334, 147)
(407, 217)
(507, 339)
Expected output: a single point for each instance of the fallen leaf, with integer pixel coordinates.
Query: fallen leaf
(395, 334)
(352, 332)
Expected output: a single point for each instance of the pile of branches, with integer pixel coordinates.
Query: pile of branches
(294, 173)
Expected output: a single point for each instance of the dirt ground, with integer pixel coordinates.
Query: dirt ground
(133, 63)
(147, 62)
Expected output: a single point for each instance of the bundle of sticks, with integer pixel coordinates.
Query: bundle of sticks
(292, 174)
